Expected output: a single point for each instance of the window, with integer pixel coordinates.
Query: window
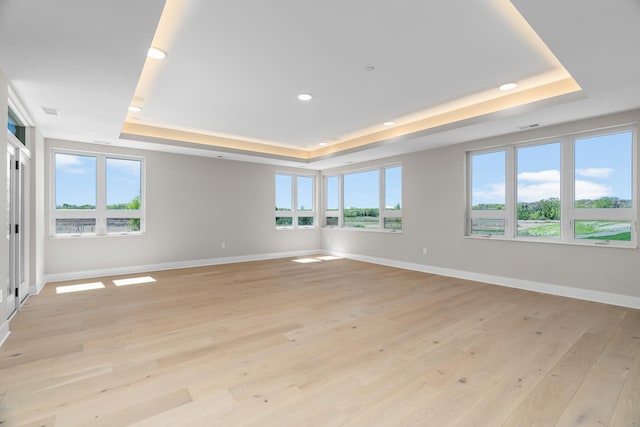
(362, 200)
(16, 127)
(96, 194)
(538, 187)
(368, 200)
(295, 195)
(488, 193)
(332, 201)
(578, 188)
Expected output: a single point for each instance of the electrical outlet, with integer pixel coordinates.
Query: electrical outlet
(223, 245)
(424, 251)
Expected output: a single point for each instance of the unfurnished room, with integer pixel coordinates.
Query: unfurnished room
(320, 213)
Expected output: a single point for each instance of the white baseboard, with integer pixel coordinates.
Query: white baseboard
(87, 274)
(545, 288)
(4, 332)
(35, 288)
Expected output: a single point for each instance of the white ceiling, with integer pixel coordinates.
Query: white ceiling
(234, 70)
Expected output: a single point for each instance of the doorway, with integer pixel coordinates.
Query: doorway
(17, 223)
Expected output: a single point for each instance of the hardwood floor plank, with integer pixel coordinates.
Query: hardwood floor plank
(332, 343)
(596, 399)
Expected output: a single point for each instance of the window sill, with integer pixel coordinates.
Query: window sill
(85, 236)
(590, 243)
(367, 230)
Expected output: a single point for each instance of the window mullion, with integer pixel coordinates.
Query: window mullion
(567, 193)
(511, 192)
(101, 195)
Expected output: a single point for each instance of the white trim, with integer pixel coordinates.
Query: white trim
(87, 274)
(545, 288)
(35, 288)
(4, 332)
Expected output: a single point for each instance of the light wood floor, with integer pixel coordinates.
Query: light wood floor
(331, 343)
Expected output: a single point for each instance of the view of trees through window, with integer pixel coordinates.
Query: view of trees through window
(294, 191)
(76, 192)
(601, 171)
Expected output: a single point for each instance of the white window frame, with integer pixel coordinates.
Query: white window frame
(383, 212)
(100, 213)
(295, 213)
(568, 213)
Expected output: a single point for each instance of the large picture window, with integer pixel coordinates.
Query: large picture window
(295, 201)
(578, 189)
(368, 199)
(96, 194)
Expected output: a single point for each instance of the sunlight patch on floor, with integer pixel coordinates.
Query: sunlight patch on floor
(134, 281)
(329, 257)
(78, 288)
(316, 259)
(306, 260)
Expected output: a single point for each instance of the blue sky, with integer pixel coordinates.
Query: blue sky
(76, 180)
(602, 169)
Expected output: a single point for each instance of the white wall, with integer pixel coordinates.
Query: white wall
(37, 214)
(193, 205)
(4, 246)
(433, 217)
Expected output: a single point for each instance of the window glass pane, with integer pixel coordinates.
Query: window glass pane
(333, 193)
(487, 226)
(284, 221)
(331, 221)
(603, 230)
(123, 225)
(75, 225)
(393, 188)
(305, 193)
(488, 181)
(362, 199)
(123, 183)
(538, 206)
(75, 181)
(305, 221)
(283, 192)
(393, 223)
(603, 171)
(15, 127)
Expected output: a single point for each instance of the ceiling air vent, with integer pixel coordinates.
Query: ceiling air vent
(51, 111)
(535, 125)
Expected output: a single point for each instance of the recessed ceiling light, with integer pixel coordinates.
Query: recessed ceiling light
(389, 123)
(305, 97)
(156, 53)
(322, 144)
(507, 86)
(134, 109)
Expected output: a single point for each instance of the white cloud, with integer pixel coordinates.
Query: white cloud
(595, 172)
(552, 175)
(129, 167)
(65, 160)
(537, 192)
(75, 171)
(493, 193)
(591, 190)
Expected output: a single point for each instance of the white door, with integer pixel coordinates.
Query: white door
(10, 289)
(17, 232)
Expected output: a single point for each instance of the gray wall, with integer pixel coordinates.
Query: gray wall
(193, 205)
(433, 217)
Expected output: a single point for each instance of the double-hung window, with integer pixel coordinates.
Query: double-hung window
(96, 194)
(577, 188)
(295, 201)
(369, 199)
